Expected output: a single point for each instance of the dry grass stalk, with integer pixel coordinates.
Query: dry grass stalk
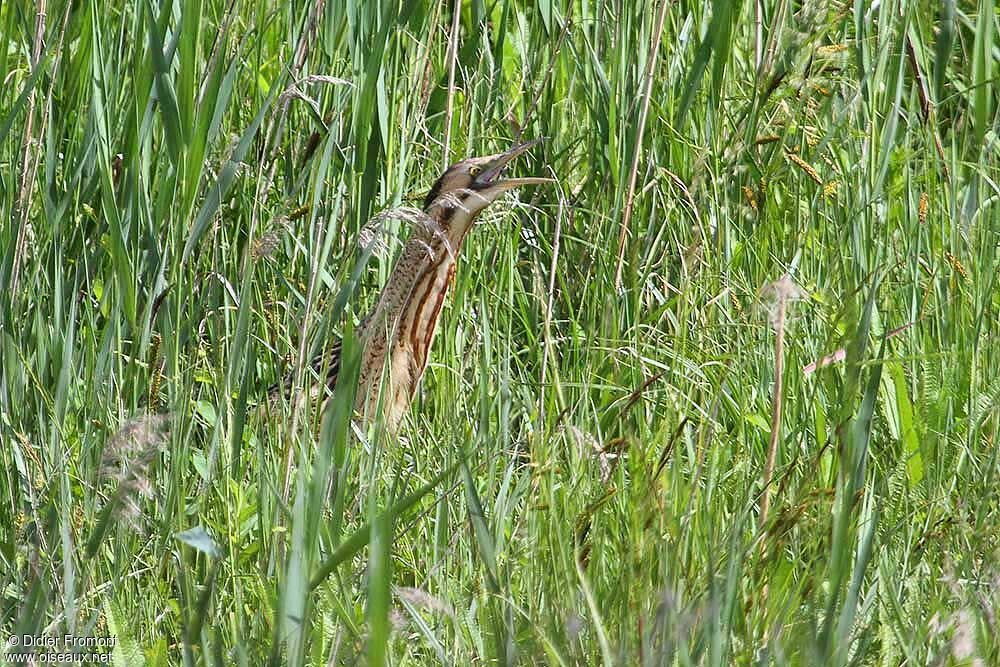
(643, 113)
(456, 13)
(778, 295)
(29, 162)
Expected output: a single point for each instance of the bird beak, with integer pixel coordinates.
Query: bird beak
(492, 173)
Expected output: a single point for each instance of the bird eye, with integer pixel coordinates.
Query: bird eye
(474, 170)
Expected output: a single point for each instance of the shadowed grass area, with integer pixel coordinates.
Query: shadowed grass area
(726, 393)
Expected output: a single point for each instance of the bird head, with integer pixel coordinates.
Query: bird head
(469, 186)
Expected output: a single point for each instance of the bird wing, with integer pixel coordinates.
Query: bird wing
(329, 360)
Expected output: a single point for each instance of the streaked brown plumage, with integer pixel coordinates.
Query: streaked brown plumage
(397, 335)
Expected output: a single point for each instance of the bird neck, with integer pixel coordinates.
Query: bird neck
(448, 220)
(410, 304)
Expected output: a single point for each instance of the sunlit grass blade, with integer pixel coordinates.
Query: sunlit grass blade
(22, 99)
(362, 536)
(166, 95)
(230, 170)
(379, 589)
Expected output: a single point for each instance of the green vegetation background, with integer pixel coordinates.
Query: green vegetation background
(189, 192)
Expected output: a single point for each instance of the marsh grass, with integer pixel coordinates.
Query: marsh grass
(188, 193)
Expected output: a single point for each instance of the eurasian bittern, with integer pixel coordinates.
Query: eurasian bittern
(398, 333)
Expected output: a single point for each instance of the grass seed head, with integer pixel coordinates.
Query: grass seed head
(956, 265)
(375, 232)
(424, 600)
(806, 167)
(774, 297)
(156, 364)
(128, 459)
(264, 246)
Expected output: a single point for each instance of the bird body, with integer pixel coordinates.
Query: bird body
(398, 334)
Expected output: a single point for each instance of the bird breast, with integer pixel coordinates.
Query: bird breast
(419, 324)
(411, 306)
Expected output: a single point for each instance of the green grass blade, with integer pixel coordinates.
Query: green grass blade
(361, 537)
